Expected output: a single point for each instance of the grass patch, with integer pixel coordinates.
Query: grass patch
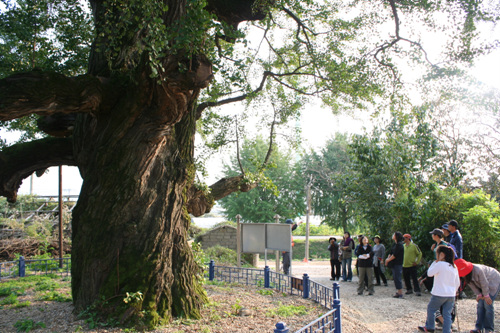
(266, 292)
(54, 296)
(288, 311)
(23, 304)
(9, 300)
(47, 285)
(6, 290)
(28, 325)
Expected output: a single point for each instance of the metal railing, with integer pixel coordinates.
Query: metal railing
(327, 297)
(26, 267)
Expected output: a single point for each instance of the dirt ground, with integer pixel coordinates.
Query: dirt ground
(381, 313)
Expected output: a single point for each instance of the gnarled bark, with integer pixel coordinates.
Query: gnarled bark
(133, 141)
(46, 93)
(20, 161)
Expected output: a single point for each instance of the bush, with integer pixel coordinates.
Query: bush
(316, 230)
(481, 234)
(222, 255)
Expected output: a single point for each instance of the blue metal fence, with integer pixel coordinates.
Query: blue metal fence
(327, 297)
(26, 267)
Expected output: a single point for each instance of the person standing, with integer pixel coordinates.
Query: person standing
(395, 259)
(444, 290)
(446, 232)
(378, 260)
(412, 257)
(287, 260)
(437, 237)
(333, 247)
(485, 283)
(456, 238)
(364, 253)
(360, 243)
(347, 245)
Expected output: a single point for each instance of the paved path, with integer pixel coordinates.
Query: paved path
(381, 313)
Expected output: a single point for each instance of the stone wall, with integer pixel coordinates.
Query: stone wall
(224, 236)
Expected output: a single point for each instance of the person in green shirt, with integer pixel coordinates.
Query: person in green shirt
(412, 258)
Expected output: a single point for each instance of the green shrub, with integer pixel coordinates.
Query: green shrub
(222, 255)
(481, 234)
(316, 230)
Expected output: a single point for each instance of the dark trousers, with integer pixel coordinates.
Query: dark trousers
(286, 262)
(409, 275)
(335, 263)
(379, 274)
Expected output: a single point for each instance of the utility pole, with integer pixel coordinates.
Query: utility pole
(61, 249)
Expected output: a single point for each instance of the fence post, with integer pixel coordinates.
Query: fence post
(336, 307)
(336, 291)
(305, 286)
(22, 267)
(281, 328)
(267, 273)
(211, 270)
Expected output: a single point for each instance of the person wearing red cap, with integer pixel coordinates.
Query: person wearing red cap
(446, 283)
(412, 258)
(485, 283)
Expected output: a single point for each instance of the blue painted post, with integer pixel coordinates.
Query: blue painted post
(281, 328)
(211, 270)
(267, 273)
(305, 286)
(338, 325)
(336, 291)
(22, 267)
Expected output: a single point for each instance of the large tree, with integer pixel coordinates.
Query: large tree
(129, 122)
(331, 175)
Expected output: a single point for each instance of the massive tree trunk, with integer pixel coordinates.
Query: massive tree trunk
(133, 141)
(130, 223)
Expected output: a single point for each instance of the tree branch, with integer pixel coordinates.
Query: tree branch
(398, 38)
(238, 149)
(19, 161)
(47, 93)
(200, 202)
(240, 98)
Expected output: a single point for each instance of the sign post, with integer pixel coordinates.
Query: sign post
(277, 218)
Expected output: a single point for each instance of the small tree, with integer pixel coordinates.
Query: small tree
(281, 189)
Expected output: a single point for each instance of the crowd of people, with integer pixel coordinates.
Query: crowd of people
(446, 276)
